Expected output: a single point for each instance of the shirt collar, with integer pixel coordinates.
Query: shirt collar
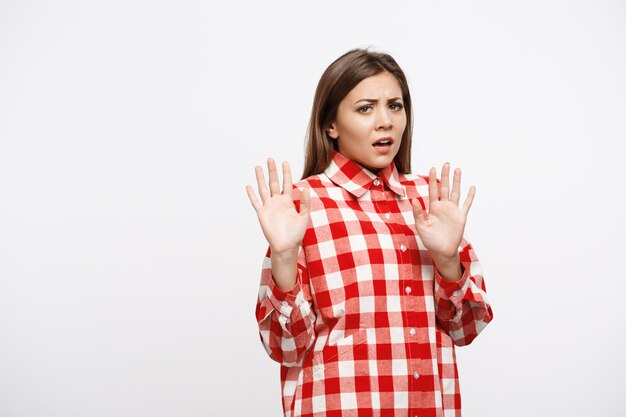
(357, 180)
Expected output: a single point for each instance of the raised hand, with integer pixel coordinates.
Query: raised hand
(441, 229)
(282, 225)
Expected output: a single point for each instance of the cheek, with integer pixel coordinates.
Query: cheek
(402, 123)
(360, 127)
(353, 128)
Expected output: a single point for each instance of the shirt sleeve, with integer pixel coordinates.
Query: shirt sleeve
(286, 319)
(462, 307)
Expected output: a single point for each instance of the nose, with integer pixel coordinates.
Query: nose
(383, 122)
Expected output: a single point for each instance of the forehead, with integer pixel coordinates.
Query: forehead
(383, 84)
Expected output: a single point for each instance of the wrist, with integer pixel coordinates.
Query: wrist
(284, 255)
(285, 269)
(448, 267)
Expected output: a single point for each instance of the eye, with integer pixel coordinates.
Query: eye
(396, 106)
(365, 109)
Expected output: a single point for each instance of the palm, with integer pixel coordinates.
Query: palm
(283, 226)
(441, 230)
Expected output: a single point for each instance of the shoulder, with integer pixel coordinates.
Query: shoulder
(314, 182)
(415, 185)
(323, 192)
(318, 185)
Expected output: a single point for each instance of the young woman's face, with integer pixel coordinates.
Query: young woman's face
(370, 122)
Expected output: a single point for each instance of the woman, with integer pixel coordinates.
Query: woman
(368, 282)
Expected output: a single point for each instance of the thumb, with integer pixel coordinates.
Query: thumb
(305, 202)
(418, 212)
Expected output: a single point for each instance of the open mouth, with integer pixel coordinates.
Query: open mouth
(383, 143)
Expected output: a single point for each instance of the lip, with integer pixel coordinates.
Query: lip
(386, 138)
(383, 150)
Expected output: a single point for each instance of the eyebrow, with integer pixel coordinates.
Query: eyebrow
(373, 100)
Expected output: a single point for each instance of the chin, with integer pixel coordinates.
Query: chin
(378, 164)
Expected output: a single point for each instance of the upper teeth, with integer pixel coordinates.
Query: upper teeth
(384, 142)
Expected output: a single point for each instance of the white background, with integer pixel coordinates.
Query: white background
(130, 256)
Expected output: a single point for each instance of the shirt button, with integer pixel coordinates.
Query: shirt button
(376, 182)
(387, 216)
(403, 247)
(285, 303)
(407, 290)
(456, 293)
(412, 331)
(416, 375)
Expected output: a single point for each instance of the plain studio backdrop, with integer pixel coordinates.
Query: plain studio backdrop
(130, 256)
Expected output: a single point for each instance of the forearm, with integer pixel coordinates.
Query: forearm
(285, 269)
(448, 267)
(461, 306)
(286, 318)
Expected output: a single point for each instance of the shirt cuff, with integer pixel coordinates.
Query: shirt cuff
(281, 300)
(454, 291)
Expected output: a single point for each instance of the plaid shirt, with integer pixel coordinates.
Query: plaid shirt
(370, 327)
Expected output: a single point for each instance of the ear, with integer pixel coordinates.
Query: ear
(332, 131)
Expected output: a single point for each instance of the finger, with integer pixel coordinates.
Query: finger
(273, 174)
(456, 187)
(260, 180)
(433, 194)
(255, 202)
(418, 213)
(305, 202)
(468, 200)
(445, 182)
(287, 184)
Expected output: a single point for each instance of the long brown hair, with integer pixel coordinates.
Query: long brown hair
(337, 81)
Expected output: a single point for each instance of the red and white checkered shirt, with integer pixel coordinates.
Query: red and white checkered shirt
(370, 327)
